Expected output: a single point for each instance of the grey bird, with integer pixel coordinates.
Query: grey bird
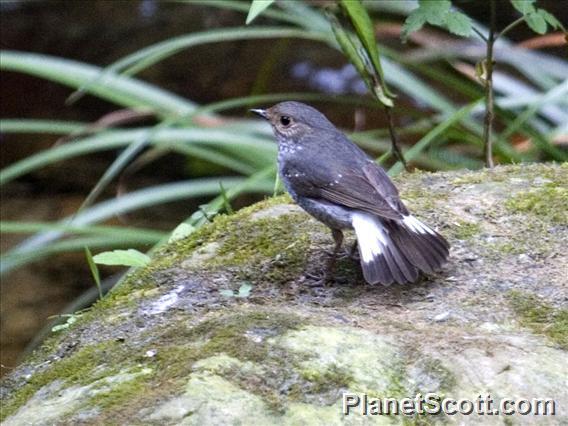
(337, 183)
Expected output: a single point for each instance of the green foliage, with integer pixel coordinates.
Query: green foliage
(256, 8)
(541, 317)
(182, 231)
(244, 291)
(366, 37)
(536, 18)
(128, 257)
(94, 270)
(70, 320)
(448, 136)
(437, 13)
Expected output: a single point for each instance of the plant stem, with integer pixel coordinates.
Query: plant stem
(510, 27)
(480, 34)
(394, 142)
(488, 123)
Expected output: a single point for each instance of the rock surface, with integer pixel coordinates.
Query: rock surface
(176, 343)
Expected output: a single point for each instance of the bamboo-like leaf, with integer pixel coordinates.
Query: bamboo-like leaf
(128, 257)
(145, 236)
(119, 138)
(431, 136)
(144, 58)
(256, 8)
(43, 244)
(11, 125)
(120, 90)
(94, 271)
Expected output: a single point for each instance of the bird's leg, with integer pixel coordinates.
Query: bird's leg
(338, 238)
(330, 266)
(353, 251)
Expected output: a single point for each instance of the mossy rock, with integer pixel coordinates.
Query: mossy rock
(169, 346)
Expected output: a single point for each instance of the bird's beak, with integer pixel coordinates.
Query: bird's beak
(261, 112)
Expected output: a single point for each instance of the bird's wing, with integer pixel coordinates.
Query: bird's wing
(357, 188)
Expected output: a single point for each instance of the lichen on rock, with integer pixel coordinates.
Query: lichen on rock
(168, 346)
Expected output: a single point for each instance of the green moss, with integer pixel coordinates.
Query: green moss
(436, 369)
(332, 378)
(216, 231)
(122, 393)
(549, 203)
(251, 245)
(465, 230)
(231, 335)
(83, 367)
(541, 317)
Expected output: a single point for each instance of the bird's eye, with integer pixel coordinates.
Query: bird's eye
(285, 120)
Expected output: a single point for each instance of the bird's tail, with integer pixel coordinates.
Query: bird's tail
(396, 251)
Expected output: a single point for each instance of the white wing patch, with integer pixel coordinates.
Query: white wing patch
(416, 226)
(371, 236)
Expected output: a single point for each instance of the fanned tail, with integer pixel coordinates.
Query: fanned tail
(395, 251)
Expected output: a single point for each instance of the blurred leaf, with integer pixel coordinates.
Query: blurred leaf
(71, 319)
(120, 90)
(226, 203)
(144, 58)
(43, 244)
(365, 30)
(524, 6)
(244, 290)
(181, 231)
(13, 125)
(254, 147)
(256, 8)
(227, 293)
(115, 169)
(141, 234)
(536, 22)
(94, 271)
(437, 13)
(128, 257)
(433, 134)
(551, 20)
(459, 24)
(17, 258)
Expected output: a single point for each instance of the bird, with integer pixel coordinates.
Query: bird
(337, 183)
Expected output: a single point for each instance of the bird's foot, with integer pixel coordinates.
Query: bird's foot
(318, 279)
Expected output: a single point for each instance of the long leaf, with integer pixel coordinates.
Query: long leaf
(119, 138)
(11, 125)
(256, 8)
(431, 136)
(365, 30)
(143, 58)
(144, 235)
(120, 90)
(134, 201)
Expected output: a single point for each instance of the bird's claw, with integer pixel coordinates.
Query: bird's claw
(318, 279)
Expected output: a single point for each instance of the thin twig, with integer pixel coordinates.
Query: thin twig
(488, 123)
(510, 27)
(480, 34)
(394, 142)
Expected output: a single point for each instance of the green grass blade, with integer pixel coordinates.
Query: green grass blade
(144, 235)
(10, 125)
(252, 145)
(134, 201)
(94, 271)
(431, 136)
(120, 90)
(144, 58)
(15, 259)
(256, 8)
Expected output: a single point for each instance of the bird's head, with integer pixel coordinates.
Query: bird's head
(292, 120)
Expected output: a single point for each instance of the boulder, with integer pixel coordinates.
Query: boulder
(226, 326)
